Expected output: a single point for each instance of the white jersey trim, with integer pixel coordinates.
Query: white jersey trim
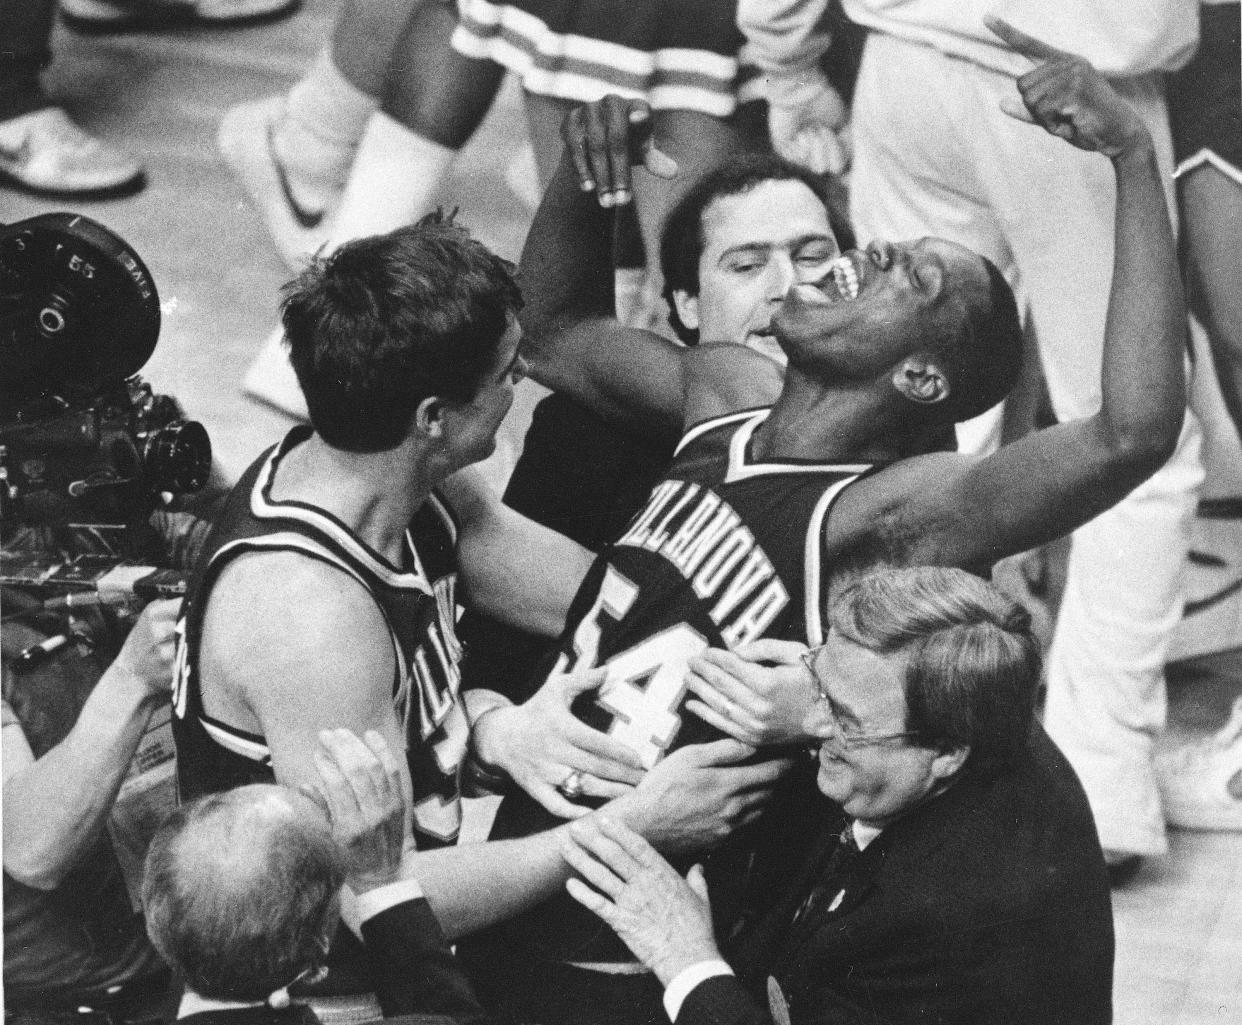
(814, 561)
(264, 509)
(739, 469)
(710, 423)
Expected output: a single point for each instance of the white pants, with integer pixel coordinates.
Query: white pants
(934, 155)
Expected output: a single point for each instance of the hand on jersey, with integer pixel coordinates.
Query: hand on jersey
(808, 121)
(360, 788)
(758, 693)
(606, 140)
(540, 743)
(697, 796)
(1067, 97)
(664, 919)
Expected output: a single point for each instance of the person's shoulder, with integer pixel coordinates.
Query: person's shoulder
(266, 603)
(724, 378)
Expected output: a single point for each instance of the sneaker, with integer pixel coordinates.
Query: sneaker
(96, 17)
(1201, 781)
(246, 142)
(44, 152)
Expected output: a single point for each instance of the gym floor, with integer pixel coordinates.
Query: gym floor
(1179, 920)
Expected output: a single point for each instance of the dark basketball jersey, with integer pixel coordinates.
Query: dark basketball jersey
(418, 603)
(726, 550)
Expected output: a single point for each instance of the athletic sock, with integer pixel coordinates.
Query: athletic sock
(316, 139)
(394, 180)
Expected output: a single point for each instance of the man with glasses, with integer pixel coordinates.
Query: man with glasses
(955, 873)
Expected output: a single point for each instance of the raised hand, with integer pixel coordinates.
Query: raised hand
(360, 783)
(1067, 97)
(148, 651)
(542, 745)
(808, 122)
(606, 140)
(664, 919)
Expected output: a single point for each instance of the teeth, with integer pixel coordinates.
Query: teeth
(845, 277)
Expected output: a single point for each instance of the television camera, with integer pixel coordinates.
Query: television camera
(88, 450)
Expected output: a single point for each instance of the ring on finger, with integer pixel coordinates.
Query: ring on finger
(571, 785)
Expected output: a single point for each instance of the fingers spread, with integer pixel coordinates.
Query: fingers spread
(722, 722)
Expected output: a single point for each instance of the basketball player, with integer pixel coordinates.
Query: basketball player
(764, 507)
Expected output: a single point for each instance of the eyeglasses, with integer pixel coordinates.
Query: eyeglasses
(849, 736)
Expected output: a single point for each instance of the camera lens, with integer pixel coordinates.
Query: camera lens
(177, 457)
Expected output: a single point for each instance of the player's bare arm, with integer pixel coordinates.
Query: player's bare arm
(496, 551)
(1053, 481)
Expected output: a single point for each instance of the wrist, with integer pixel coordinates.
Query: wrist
(141, 689)
(485, 767)
(670, 964)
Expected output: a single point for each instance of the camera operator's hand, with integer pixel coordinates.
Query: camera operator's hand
(146, 657)
(606, 140)
(361, 785)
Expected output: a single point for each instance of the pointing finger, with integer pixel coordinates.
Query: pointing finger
(1022, 43)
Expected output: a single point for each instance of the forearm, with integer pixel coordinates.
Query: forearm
(566, 265)
(784, 36)
(55, 807)
(472, 886)
(1143, 382)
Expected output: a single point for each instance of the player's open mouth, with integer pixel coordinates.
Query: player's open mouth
(841, 284)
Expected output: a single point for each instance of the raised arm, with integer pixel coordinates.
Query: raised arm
(55, 807)
(572, 339)
(1056, 479)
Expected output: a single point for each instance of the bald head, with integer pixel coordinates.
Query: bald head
(240, 891)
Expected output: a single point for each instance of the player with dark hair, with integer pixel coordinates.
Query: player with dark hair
(685, 234)
(765, 509)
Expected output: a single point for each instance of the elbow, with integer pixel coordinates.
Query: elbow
(1141, 453)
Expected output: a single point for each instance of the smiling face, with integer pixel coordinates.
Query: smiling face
(877, 306)
(864, 693)
(757, 245)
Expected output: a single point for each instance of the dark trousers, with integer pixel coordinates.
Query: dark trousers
(25, 31)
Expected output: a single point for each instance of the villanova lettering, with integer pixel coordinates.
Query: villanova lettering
(710, 546)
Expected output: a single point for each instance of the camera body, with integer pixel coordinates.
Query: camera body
(84, 441)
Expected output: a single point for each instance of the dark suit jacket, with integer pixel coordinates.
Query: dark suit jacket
(989, 904)
(417, 979)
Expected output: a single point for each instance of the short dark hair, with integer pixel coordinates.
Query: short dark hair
(985, 355)
(972, 661)
(388, 321)
(682, 241)
(236, 916)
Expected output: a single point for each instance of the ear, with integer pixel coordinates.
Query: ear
(429, 417)
(687, 306)
(947, 763)
(921, 380)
